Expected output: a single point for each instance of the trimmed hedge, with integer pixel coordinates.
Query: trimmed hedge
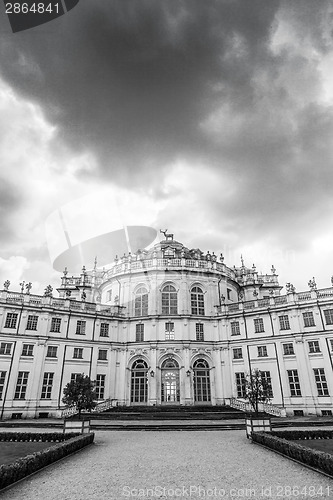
(37, 436)
(31, 463)
(314, 458)
(311, 434)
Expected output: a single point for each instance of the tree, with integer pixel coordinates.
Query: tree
(80, 393)
(257, 390)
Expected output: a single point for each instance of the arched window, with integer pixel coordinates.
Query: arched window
(141, 302)
(139, 382)
(169, 300)
(201, 381)
(197, 301)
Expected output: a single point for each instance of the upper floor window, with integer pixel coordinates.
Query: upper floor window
(314, 346)
(331, 341)
(288, 349)
(104, 330)
(5, 348)
(308, 319)
(141, 302)
(78, 353)
(11, 320)
(199, 331)
(52, 351)
(27, 350)
(197, 301)
(169, 300)
(169, 331)
(55, 325)
(262, 351)
(237, 353)
(284, 322)
(32, 322)
(139, 332)
(102, 354)
(328, 316)
(235, 328)
(259, 325)
(80, 327)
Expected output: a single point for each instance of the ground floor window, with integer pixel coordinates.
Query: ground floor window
(100, 386)
(201, 381)
(170, 392)
(139, 382)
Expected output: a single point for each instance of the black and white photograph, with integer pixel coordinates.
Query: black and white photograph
(166, 249)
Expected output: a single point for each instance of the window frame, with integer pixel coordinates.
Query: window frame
(294, 383)
(321, 382)
(284, 322)
(78, 353)
(104, 330)
(47, 385)
(6, 347)
(55, 325)
(27, 350)
(80, 327)
(32, 322)
(286, 347)
(237, 353)
(21, 385)
(235, 328)
(199, 332)
(197, 301)
(308, 319)
(49, 347)
(262, 351)
(169, 300)
(104, 356)
(11, 320)
(314, 346)
(259, 326)
(139, 332)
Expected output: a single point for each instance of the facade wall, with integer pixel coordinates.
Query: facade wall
(284, 336)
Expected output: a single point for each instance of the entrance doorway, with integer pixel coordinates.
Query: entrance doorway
(170, 393)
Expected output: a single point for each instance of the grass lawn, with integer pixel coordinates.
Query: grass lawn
(325, 445)
(11, 451)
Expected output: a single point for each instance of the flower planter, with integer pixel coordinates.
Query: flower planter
(257, 422)
(82, 426)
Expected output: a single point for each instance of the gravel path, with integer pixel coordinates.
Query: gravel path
(213, 464)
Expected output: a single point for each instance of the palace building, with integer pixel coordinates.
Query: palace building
(167, 326)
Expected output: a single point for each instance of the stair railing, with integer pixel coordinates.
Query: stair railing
(100, 407)
(266, 407)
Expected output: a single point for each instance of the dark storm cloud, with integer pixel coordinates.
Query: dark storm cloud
(132, 80)
(142, 83)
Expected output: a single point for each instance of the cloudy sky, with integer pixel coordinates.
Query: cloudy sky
(216, 113)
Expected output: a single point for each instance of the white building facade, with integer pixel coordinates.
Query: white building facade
(168, 326)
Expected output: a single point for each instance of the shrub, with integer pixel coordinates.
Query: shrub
(37, 436)
(314, 458)
(295, 435)
(31, 463)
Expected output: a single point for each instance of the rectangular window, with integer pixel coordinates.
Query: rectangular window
(100, 386)
(284, 322)
(237, 353)
(78, 353)
(199, 331)
(51, 351)
(328, 316)
(235, 328)
(21, 386)
(55, 325)
(47, 386)
(27, 350)
(74, 376)
(5, 348)
(11, 320)
(308, 319)
(104, 330)
(169, 331)
(262, 351)
(331, 341)
(32, 322)
(267, 382)
(321, 383)
(80, 327)
(314, 346)
(139, 332)
(2, 382)
(288, 349)
(102, 354)
(240, 384)
(259, 325)
(295, 388)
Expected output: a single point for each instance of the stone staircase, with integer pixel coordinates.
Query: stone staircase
(140, 413)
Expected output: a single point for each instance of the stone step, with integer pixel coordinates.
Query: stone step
(167, 416)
